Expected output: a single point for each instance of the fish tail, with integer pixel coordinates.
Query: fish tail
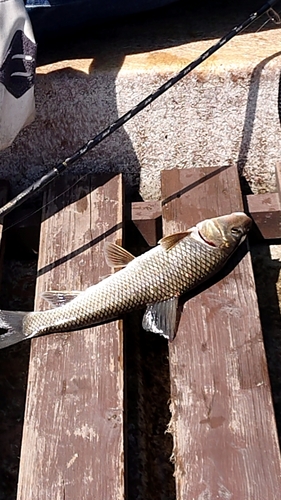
(12, 327)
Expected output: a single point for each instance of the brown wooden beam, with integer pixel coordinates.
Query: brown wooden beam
(72, 444)
(147, 218)
(265, 210)
(225, 439)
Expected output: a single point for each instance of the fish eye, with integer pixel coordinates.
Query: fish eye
(236, 232)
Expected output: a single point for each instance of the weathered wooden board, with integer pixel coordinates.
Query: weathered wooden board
(265, 209)
(147, 218)
(72, 444)
(225, 440)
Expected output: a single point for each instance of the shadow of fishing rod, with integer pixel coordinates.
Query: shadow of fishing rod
(61, 167)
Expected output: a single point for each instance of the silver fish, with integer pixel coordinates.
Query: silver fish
(155, 279)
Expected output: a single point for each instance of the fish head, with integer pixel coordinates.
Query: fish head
(225, 232)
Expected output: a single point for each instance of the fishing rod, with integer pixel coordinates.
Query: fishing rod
(62, 166)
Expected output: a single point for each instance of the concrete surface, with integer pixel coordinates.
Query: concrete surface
(224, 111)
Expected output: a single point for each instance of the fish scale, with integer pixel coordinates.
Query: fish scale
(156, 276)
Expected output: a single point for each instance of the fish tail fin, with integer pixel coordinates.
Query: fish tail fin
(11, 327)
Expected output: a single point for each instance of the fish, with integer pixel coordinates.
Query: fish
(155, 280)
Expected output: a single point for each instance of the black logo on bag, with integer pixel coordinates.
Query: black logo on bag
(18, 69)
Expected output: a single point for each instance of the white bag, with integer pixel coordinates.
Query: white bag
(17, 70)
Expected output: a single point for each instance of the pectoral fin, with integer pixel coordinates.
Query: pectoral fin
(171, 240)
(162, 318)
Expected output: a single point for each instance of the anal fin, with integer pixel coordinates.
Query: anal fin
(58, 298)
(161, 318)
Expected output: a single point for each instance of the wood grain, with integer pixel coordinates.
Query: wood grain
(225, 440)
(265, 210)
(147, 218)
(72, 444)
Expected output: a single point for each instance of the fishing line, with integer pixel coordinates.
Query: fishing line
(110, 159)
(272, 16)
(263, 25)
(44, 205)
(46, 179)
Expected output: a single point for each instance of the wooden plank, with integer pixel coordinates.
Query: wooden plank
(265, 210)
(146, 217)
(72, 444)
(225, 439)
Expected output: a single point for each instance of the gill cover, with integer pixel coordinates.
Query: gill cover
(226, 231)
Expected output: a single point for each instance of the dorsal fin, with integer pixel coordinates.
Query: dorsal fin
(171, 240)
(58, 298)
(117, 256)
